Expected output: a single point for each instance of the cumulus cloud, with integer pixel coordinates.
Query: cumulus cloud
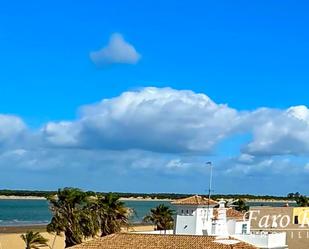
(63, 133)
(11, 127)
(154, 119)
(161, 131)
(178, 121)
(280, 132)
(117, 51)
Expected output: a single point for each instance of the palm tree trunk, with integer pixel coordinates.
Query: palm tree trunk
(69, 241)
(52, 247)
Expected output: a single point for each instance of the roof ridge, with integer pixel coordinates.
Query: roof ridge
(157, 241)
(195, 200)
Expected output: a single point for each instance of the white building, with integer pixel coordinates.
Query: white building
(197, 215)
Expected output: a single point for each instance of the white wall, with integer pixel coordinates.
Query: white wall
(267, 241)
(193, 219)
(203, 220)
(185, 225)
(239, 225)
(231, 226)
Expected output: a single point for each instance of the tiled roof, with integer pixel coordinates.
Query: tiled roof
(231, 213)
(195, 200)
(155, 241)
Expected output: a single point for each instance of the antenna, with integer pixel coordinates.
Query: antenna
(210, 186)
(210, 179)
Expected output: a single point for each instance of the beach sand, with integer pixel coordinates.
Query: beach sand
(14, 241)
(10, 236)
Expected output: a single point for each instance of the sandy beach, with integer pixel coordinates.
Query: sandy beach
(14, 241)
(15, 197)
(10, 236)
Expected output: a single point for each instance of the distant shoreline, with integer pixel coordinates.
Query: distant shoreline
(15, 197)
(22, 228)
(42, 228)
(142, 199)
(269, 201)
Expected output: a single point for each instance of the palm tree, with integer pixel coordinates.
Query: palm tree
(161, 217)
(241, 205)
(111, 213)
(302, 201)
(34, 240)
(72, 217)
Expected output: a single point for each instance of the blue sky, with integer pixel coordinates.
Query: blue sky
(246, 55)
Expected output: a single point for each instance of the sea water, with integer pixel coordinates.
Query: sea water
(36, 212)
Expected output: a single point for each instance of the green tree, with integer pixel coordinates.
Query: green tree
(161, 216)
(34, 240)
(302, 201)
(111, 213)
(72, 217)
(241, 205)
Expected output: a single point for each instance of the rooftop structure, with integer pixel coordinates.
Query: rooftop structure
(152, 241)
(230, 214)
(195, 200)
(201, 216)
(197, 215)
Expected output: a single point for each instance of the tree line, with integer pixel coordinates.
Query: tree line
(46, 194)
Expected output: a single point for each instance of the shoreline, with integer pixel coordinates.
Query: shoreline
(15, 197)
(270, 201)
(22, 229)
(142, 199)
(42, 228)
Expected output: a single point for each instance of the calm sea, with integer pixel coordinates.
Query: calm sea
(29, 212)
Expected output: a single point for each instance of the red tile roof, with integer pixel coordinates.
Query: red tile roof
(231, 213)
(195, 200)
(154, 241)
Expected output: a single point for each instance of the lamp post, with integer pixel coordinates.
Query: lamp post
(210, 186)
(210, 179)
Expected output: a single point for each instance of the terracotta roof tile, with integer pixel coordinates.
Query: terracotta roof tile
(152, 241)
(230, 213)
(195, 200)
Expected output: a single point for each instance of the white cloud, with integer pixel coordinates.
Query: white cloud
(279, 132)
(161, 131)
(154, 119)
(10, 128)
(169, 121)
(246, 158)
(61, 134)
(173, 121)
(117, 51)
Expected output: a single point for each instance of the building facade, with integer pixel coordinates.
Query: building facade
(197, 215)
(200, 216)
